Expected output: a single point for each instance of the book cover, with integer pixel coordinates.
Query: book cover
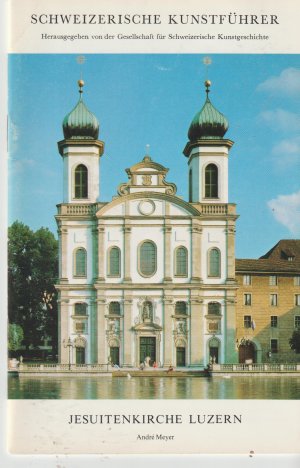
(153, 214)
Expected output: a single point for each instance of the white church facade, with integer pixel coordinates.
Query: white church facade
(146, 276)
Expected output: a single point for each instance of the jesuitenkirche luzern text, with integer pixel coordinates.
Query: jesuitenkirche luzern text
(154, 419)
(107, 19)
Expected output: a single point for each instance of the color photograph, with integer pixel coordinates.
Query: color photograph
(154, 221)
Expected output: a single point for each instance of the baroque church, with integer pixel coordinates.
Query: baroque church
(147, 276)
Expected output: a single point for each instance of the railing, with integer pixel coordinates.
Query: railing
(214, 209)
(65, 368)
(78, 209)
(256, 367)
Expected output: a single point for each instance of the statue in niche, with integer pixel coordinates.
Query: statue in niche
(147, 315)
(181, 327)
(113, 326)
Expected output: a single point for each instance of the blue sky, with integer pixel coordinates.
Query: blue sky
(151, 99)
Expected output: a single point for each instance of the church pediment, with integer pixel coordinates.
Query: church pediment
(146, 176)
(147, 204)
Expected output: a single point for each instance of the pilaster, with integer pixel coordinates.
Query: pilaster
(64, 334)
(101, 254)
(168, 331)
(93, 332)
(127, 332)
(167, 248)
(231, 253)
(101, 337)
(95, 261)
(196, 251)
(127, 244)
(63, 240)
(197, 331)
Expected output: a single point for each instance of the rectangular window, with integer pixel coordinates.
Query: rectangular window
(247, 280)
(247, 299)
(297, 299)
(247, 321)
(297, 321)
(274, 346)
(273, 299)
(274, 321)
(297, 280)
(273, 280)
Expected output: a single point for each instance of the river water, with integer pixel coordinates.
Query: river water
(93, 387)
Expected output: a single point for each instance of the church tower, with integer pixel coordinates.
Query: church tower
(80, 151)
(207, 153)
(77, 233)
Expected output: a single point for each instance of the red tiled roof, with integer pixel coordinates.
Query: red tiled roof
(275, 260)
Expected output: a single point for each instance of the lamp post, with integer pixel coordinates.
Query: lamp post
(69, 345)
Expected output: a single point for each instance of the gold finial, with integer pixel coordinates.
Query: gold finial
(207, 84)
(80, 84)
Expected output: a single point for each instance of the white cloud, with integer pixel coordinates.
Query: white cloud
(287, 152)
(286, 210)
(161, 68)
(287, 83)
(19, 165)
(280, 119)
(14, 132)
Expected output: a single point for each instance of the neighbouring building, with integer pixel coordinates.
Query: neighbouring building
(268, 304)
(147, 276)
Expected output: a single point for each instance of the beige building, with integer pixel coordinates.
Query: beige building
(147, 277)
(268, 304)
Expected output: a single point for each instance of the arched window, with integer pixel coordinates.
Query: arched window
(214, 263)
(80, 308)
(114, 262)
(211, 181)
(81, 182)
(147, 258)
(190, 185)
(80, 262)
(180, 307)
(181, 261)
(214, 308)
(114, 308)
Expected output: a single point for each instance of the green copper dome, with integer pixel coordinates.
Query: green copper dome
(80, 123)
(208, 123)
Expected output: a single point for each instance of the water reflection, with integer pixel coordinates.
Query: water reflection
(91, 387)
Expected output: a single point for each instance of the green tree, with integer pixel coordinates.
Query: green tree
(295, 341)
(15, 336)
(32, 272)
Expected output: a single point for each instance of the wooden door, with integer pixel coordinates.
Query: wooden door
(148, 348)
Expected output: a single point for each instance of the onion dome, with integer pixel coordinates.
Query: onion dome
(80, 123)
(208, 123)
